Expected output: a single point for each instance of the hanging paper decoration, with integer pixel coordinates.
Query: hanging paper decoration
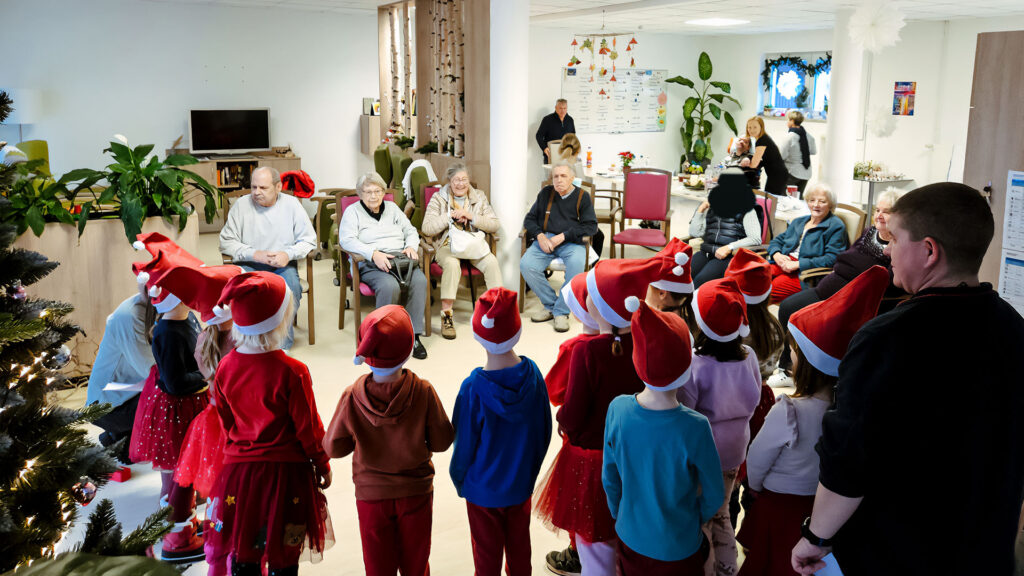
(876, 25)
(588, 45)
(573, 61)
(613, 77)
(599, 45)
(574, 42)
(604, 46)
(632, 63)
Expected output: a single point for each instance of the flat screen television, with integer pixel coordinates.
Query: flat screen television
(229, 131)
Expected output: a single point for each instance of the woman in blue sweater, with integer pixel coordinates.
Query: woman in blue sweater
(811, 241)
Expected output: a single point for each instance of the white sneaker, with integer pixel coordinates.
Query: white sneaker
(780, 380)
(542, 315)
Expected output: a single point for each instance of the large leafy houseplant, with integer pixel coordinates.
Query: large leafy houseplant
(696, 129)
(141, 186)
(31, 200)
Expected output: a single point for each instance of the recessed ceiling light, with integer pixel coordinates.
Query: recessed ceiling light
(717, 22)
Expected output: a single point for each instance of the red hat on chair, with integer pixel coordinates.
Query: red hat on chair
(752, 273)
(299, 182)
(200, 288)
(661, 347)
(823, 330)
(256, 301)
(574, 292)
(611, 282)
(678, 278)
(386, 339)
(152, 275)
(496, 322)
(720, 310)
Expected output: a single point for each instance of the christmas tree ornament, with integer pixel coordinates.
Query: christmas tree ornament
(84, 491)
(59, 359)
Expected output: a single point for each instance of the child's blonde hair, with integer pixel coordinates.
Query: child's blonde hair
(268, 340)
(209, 352)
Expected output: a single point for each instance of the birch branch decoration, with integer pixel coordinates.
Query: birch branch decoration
(395, 109)
(408, 56)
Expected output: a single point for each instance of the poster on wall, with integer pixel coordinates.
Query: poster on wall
(903, 99)
(630, 100)
(1011, 269)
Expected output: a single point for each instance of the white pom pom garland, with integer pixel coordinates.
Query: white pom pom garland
(632, 304)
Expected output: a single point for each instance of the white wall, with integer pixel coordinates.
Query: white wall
(136, 68)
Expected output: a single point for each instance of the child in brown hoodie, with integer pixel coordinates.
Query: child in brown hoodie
(392, 420)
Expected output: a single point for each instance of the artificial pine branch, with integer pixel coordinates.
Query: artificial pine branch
(14, 330)
(153, 528)
(101, 522)
(5, 105)
(25, 265)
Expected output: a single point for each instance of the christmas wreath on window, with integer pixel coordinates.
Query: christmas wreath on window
(823, 64)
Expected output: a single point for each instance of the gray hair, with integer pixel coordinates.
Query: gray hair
(822, 188)
(561, 163)
(561, 101)
(454, 169)
(275, 174)
(370, 177)
(796, 116)
(891, 195)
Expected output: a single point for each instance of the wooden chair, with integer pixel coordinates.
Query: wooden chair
(855, 220)
(646, 195)
(360, 288)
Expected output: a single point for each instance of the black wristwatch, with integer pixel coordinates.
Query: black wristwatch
(805, 531)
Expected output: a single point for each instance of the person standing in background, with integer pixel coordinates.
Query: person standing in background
(796, 149)
(554, 126)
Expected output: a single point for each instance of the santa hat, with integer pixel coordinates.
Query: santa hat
(574, 292)
(255, 301)
(661, 347)
(611, 282)
(154, 242)
(152, 274)
(677, 279)
(720, 310)
(298, 182)
(200, 288)
(752, 273)
(496, 322)
(824, 329)
(385, 340)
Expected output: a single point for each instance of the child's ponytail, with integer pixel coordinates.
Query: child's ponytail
(617, 343)
(209, 351)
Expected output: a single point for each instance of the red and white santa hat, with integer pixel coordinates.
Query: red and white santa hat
(752, 273)
(677, 278)
(823, 330)
(496, 322)
(256, 301)
(611, 282)
(720, 310)
(200, 288)
(661, 347)
(385, 340)
(574, 292)
(151, 274)
(155, 242)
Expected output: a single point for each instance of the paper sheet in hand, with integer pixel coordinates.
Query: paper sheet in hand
(831, 567)
(119, 387)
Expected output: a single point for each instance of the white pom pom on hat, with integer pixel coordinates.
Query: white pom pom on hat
(142, 278)
(138, 245)
(681, 258)
(358, 360)
(487, 322)
(222, 311)
(154, 291)
(632, 304)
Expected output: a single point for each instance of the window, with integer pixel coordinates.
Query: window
(796, 81)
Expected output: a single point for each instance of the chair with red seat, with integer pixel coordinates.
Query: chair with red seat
(645, 196)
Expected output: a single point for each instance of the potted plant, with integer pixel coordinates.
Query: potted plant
(696, 129)
(626, 158)
(30, 200)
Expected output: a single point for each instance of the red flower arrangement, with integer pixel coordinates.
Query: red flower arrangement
(626, 158)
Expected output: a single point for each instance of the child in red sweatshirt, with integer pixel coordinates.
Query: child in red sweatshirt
(392, 421)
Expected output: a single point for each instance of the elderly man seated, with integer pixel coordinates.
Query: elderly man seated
(560, 218)
(379, 231)
(269, 232)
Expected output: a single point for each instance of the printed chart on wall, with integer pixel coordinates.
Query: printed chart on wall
(635, 101)
(1011, 271)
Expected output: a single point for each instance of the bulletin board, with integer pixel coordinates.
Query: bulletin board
(635, 102)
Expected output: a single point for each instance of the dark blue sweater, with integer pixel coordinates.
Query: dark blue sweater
(502, 431)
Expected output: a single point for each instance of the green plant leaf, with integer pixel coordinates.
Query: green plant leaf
(705, 129)
(690, 105)
(141, 151)
(723, 86)
(132, 214)
(83, 217)
(715, 111)
(687, 139)
(689, 124)
(704, 66)
(121, 153)
(79, 174)
(180, 160)
(681, 80)
(699, 149)
(730, 122)
(170, 178)
(34, 219)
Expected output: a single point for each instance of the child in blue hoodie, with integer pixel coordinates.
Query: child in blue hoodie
(502, 431)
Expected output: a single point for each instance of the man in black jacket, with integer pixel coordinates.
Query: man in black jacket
(560, 218)
(922, 455)
(554, 126)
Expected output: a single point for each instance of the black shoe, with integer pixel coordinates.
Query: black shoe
(564, 562)
(418, 351)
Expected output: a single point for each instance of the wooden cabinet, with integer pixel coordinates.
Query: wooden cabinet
(231, 173)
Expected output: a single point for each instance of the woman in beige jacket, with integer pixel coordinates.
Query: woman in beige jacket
(459, 203)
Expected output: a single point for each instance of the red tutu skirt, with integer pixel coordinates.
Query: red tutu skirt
(161, 422)
(571, 496)
(202, 454)
(769, 532)
(272, 510)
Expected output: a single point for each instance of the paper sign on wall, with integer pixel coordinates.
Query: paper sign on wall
(1011, 261)
(903, 99)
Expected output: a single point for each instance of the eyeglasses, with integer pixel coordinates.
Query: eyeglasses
(373, 192)
(462, 180)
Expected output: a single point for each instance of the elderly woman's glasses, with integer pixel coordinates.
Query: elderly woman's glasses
(373, 192)
(462, 180)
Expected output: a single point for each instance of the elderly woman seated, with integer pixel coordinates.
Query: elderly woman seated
(811, 241)
(379, 232)
(461, 206)
(725, 222)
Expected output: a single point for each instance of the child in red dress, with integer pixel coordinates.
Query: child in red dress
(267, 504)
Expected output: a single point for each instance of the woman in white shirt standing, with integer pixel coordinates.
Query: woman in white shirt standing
(797, 148)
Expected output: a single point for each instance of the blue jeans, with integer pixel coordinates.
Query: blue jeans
(533, 264)
(291, 278)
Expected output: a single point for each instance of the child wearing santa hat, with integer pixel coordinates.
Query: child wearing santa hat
(782, 464)
(502, 432)
(392, 421)
(601, 368)
(673, 292)
(267, 503)
(658, 517)
(725, 387)
(202, 452)
(574, 292)
(173, 394)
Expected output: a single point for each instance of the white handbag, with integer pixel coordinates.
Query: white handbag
(466, 245)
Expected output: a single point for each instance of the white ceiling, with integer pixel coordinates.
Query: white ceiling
(670, 16)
